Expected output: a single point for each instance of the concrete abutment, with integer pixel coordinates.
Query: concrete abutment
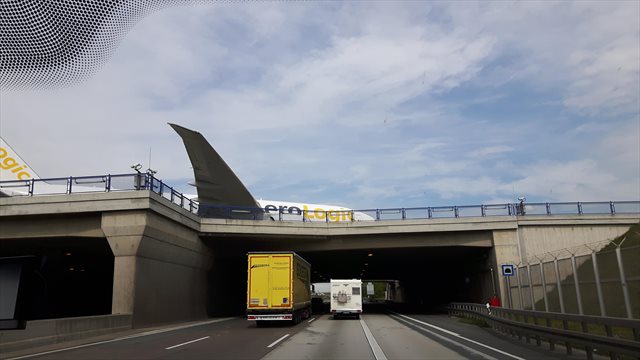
(160, 268)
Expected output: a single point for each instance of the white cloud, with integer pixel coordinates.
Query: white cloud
(357, 97)
(589, 48)
(490, 152)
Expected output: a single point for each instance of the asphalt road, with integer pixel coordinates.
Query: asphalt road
(374, 336)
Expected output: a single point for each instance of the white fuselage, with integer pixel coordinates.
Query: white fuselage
(285, 210)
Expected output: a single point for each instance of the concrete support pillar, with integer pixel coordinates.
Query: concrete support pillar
(124, 269)
(160, 268)
(505, 251)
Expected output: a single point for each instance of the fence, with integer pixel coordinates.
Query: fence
(604, 335)
(97, 184)
(596, 279)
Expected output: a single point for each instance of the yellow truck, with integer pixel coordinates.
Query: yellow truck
(278, 287)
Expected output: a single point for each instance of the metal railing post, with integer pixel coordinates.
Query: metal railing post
(576, 282)
(31, 186)
(612, 207)
(69, 182)
(596, 273)
(519, 288)
(559, 285)
(506, 279)
(533, 303)
(548, 208)
(429, 212)
(623, 282)
(544, 287)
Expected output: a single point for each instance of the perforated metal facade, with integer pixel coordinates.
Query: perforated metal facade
(48, 44)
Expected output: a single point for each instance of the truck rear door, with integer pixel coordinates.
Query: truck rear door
(270, 281)
(280, 281)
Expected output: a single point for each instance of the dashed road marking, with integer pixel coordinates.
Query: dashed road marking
(185, 343)
(277, 341)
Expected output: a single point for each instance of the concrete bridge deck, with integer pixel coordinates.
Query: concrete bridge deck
(167, 261)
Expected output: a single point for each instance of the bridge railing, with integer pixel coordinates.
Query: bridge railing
(142, 181)
(97, 184)
(602, 335)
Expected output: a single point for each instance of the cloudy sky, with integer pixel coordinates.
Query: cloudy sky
(361, 104)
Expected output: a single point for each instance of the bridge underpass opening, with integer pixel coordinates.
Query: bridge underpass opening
(430, 277)
(72, 276)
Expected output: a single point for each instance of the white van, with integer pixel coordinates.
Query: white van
(346, 298)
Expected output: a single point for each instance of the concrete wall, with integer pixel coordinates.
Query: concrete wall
(45, 332)
(540, 240)
(160, 268)
(546, 237)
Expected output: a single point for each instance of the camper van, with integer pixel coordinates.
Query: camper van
(346, 298)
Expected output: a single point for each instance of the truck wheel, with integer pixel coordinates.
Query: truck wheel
(261, 323)
(357, 316)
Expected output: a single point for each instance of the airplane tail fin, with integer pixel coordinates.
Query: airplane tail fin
(215, 182)
(12, 166)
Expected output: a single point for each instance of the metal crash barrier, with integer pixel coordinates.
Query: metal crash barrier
(594, 334)
(147, 181)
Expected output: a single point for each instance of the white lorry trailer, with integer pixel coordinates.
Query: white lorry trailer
(346, 298)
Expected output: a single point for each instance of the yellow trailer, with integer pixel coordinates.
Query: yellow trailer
(278, 287)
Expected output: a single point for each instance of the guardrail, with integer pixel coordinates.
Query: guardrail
(142, 181)
(615, 336)
(430, 212)
(97, 184)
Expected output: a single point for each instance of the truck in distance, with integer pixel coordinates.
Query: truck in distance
(278, 287)
(346, 298)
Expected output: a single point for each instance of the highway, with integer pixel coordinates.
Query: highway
(374, 336)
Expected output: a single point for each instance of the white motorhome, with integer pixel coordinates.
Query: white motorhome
(346, 298)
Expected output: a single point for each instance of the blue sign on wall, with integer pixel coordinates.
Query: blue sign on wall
(508, 270)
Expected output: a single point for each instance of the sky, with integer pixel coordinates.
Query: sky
(361, 104)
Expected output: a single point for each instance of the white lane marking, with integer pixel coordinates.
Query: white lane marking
(185, 343)
(122, 338)
(429, 325)
(277, 341)
(311, 320)
(373, 344)
(461, 337)
(455, 343)
(180, 327)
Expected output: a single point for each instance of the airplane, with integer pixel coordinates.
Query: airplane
(218, 187)
(220, 193)
(19, 179)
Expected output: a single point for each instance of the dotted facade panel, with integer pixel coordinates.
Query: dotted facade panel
(56, 43)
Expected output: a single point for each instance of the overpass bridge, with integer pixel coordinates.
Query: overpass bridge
(146, 254)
